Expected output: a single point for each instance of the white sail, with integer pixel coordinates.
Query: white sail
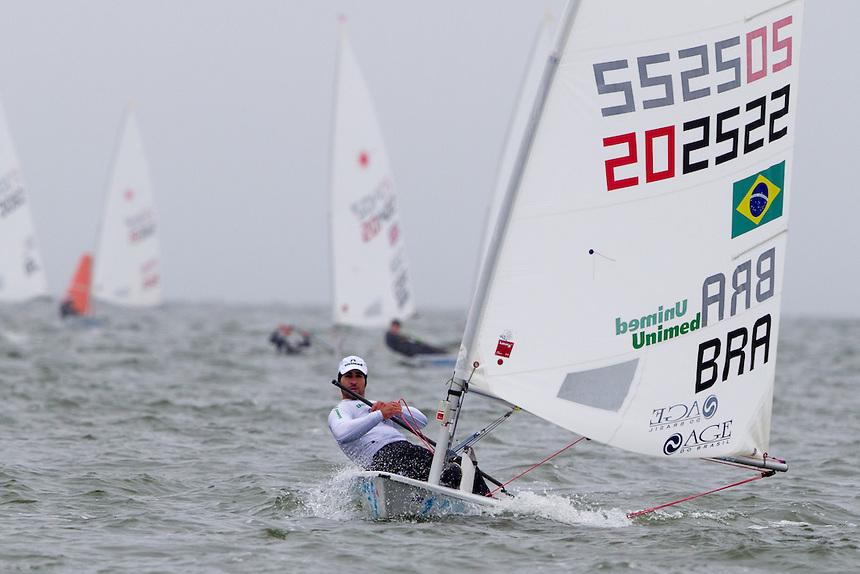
(127, 261)
(632, 292)
(541, 49)
(370, 269)
(21, 274)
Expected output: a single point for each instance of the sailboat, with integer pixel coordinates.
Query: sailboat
(126, 266)
(631, 291)
(77, 301)
(370, 271)
(21, 274)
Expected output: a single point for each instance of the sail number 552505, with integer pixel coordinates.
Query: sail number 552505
(614, 79)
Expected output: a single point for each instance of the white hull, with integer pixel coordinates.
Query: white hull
(384, 495)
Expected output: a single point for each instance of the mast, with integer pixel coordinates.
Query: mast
(449, 409)
(519, 105)
(341, 30)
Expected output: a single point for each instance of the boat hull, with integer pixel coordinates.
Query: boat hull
(385, 496)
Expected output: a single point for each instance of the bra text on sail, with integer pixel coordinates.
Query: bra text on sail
(742, 287)
(707, 365)
(400, 273)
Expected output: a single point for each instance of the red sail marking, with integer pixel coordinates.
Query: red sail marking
(504, 348)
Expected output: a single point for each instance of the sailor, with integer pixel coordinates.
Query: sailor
(369, 438)
(409, 346)
(289, 340)
(67, 309)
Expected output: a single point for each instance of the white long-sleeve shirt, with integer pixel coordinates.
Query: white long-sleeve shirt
(361, 433)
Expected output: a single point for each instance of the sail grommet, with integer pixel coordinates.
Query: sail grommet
(476, 364)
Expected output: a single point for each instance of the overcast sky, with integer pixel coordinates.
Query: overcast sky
(234, 100)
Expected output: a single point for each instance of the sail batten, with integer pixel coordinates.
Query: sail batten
(633, 291)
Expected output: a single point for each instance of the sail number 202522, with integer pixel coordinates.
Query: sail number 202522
(719, 138)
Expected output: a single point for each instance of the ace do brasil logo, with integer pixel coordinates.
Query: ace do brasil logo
(694, 440)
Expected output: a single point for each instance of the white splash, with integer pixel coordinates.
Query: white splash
(779, 524)
(14, 337)
(562, 509)
(332, 499)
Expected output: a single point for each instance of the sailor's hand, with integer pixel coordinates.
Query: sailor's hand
(390, 409)
(376, 406)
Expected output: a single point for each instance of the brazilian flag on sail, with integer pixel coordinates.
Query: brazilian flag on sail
(757, 199)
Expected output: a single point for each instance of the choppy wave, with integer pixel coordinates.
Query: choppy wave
(175, 440)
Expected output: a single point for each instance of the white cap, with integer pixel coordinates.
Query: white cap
(351, 362)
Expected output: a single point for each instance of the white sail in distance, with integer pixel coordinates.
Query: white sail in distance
(127, 260)
(371, 282)
(21, 274)
(632, 291)
(541, 49)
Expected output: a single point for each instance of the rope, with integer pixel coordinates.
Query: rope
(476, 436)
(417, 432)
(534, 466)
(647, 510)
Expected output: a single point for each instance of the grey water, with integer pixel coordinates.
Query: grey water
(176, 440)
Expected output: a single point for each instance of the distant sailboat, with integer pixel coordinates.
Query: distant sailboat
(21, 274)
(77, 301)
(126, 267)
(370, 272)
(631, 290)
(128, 261)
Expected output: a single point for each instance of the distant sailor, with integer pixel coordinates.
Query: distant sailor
(409, 346)
(68, 309)
(289, 340)
(369, 438)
